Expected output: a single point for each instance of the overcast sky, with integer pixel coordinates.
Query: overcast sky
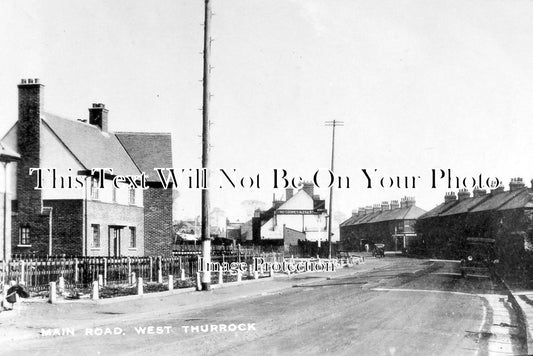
(419, 85)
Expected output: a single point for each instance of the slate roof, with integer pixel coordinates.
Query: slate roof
(504, 200)
(90, 146)
(406, 213)
(148, 151)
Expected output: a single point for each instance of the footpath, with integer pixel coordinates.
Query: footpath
(523, 299)
(29, 317)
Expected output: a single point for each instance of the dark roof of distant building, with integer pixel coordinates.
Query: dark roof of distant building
(405, 213)
(148, 151)
(498, 200)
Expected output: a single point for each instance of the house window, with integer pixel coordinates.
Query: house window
(24, 235)
(132, 196)
(133, 237)
(96, 235)
(94, 189)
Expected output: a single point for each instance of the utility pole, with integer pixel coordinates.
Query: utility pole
(206, 236)
(333, 124)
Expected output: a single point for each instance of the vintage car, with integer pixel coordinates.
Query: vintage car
(479, 257)
(378, 250)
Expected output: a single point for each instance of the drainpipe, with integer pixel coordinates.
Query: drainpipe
(48, 210)
(4, 257)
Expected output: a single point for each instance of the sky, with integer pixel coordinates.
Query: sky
(419, 85)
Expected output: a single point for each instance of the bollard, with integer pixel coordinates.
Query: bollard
(61, 284)
(52, 298)
(159, 276)
(198, 281)
(256, 275)
(220, 277)
(239, 275)
(76, 271)
(170, 282)
(95, 290)
(133, 278)
(100, 281)
(139, 286)
(271, 272)
(182, 274)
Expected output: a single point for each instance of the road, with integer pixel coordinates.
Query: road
(399, 307)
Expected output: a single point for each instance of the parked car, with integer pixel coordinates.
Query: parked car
(378, 250)
(479, 257)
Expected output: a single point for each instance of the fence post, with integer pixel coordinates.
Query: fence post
(220, 276)
(182, 274)
(271, 272)
(159, 270)
(52, 295)
(239, 275)
(105, 272)
(151, 267)
(100, 281)
(22, 268)
(139, 286)
(198, 281)
(95, 290)
(61, 284)
(256, 275)
(76, 271)
(133, 278)
(170, 282)
(129, 267)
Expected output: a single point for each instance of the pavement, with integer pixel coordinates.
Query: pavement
(523, 300)
(31, 316)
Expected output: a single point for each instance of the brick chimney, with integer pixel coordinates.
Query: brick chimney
(449, 197)
(376, 208)
(407, 202)
(463, 194)
(394, 204)
(30, 106)
(308, 188)
(368, 209)
(385, 205)
(516, 183)
(361, 211)
(355, 212)
(98, 116)
(498, 190)
(479, 192)
(288, 193)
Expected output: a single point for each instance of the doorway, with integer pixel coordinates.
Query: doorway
(114, 241)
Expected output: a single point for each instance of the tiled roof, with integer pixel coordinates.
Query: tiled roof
(504, 200)
(90, 146)
(407, 213)
(148, 151)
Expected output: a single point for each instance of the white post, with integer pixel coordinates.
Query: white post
(76, 271)
(133, 278)
(61, 284)
(139, 286)
(170, 282)
(198, 281)
(159, 270)
(22, 268)
(239, 275)
(271, 272)
(52, 293)
(182, 274)
(100, 281)
(220, 277)
(95, 290)
(256, 275)
(104, 281)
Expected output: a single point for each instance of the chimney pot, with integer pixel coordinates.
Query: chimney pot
(516, 183)
(98, 116)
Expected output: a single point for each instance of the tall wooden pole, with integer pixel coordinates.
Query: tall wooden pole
(334, 124)
(206, 236)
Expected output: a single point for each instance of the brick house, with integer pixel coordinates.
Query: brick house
(391, 224)
(73, 214)
(506, 217)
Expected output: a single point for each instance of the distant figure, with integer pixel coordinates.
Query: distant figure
(11, 297)
(367, 247)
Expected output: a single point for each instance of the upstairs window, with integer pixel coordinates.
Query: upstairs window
(133, 237)
(94, 189)
(96, 235)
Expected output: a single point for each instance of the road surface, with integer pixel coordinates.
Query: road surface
(398, 307)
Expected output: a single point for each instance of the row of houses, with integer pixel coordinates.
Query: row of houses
(73, 214)
(502, 216)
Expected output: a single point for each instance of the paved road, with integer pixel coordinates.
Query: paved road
(400, 307)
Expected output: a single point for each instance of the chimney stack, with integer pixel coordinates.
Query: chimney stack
(368, 209)
(308, 187)
(449, 197)
(463, 194)
(516, 183)
(98, 116)
(479, 192)
(361, 211)
(376, 208)
(288, 193)
(498, 190)
(394, 204)
(385, 205)
(407, 202)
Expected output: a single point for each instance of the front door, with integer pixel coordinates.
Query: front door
(114, 241)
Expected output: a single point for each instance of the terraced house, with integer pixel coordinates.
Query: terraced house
(73, 214)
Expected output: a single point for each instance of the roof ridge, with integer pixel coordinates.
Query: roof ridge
(143, 133)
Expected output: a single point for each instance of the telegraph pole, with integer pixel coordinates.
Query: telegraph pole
(333, 124)
(206, 236)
